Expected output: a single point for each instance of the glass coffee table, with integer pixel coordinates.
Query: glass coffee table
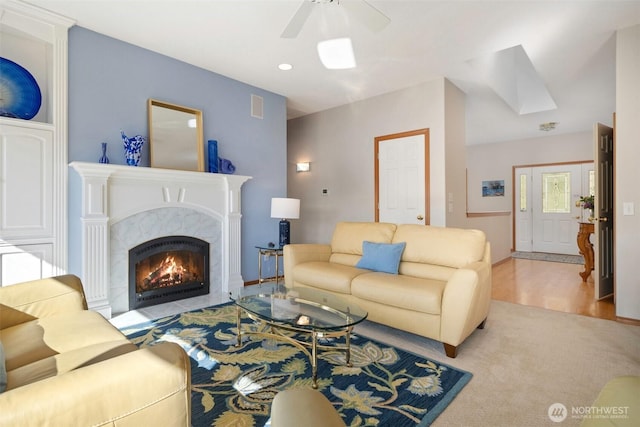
(311, 314)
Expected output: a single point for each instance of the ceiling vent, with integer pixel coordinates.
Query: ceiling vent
(546, 127)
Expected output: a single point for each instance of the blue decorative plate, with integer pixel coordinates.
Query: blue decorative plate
(20, 95)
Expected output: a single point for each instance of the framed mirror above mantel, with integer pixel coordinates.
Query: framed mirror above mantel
(175, 137)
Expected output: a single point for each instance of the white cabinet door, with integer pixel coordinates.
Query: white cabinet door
(26, 182)
(21, 263)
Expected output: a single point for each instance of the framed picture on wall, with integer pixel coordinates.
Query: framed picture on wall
(493, 188)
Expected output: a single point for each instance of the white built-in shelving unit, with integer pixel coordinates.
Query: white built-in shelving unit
(33, 153)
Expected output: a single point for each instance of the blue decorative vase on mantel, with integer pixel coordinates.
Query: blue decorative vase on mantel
(104, 158)
(132, 148)
(213, 155)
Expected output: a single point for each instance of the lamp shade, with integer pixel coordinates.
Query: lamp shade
(285, 208)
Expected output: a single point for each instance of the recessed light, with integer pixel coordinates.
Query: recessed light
(285, 67)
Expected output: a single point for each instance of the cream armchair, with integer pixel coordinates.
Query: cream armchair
(67, 366)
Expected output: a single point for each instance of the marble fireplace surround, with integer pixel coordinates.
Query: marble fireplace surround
(123, 206)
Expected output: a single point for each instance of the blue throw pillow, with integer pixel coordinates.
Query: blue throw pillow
(3, 371)
(384, 257)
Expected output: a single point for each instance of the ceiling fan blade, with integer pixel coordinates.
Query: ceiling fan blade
(298, 20)
(364, 12)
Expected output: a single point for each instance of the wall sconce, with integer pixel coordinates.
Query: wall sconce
(303, 167)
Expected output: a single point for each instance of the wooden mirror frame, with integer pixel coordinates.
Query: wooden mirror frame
(172, 147)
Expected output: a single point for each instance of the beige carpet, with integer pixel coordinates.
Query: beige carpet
(525, 360)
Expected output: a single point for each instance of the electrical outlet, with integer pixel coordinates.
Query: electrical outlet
(325, 192)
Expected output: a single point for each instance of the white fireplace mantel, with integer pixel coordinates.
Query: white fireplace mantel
(113, 193)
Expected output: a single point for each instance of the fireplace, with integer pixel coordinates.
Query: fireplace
(167, 269)
(122, 207)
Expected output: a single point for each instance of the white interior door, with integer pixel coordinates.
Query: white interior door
(402, 178)
(556, 190)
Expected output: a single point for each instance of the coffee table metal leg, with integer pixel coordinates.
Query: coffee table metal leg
(348, 349)
(314, 359)
(238, 318)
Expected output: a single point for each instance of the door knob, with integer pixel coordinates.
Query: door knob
(420, 217)
(603, 219)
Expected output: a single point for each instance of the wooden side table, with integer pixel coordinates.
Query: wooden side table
(586, 248)
(269, 251)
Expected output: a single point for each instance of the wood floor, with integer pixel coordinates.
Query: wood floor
(552, 285)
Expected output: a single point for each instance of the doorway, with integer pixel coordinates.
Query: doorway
(402, 177)
(546, 208)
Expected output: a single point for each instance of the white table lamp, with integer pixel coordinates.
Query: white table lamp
(285, 209)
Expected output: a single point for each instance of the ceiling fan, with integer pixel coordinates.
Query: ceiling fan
(371, 17)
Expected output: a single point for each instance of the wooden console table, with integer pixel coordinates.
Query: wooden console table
(586, 248)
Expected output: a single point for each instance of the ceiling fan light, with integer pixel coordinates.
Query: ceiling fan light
(337, 54)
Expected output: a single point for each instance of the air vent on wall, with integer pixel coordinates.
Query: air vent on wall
(257, 105)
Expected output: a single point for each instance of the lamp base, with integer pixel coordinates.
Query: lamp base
(284, 232)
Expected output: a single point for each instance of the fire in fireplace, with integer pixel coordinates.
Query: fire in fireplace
(167, 269)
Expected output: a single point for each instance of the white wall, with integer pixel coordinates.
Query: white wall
(627, 173)
(339, 143)
(455, 145)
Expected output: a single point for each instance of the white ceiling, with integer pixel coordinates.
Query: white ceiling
(571, 45)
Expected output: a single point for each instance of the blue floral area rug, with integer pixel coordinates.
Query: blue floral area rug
(234, 386)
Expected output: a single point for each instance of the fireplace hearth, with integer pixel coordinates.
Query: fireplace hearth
(167, 269)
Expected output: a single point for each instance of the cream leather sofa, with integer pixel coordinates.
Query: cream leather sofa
(442, 290)
(67, 366)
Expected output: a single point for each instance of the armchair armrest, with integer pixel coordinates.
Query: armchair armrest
(40, 298)
(150, 386)
(302, 252)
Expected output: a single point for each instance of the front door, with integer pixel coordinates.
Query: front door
(604, 203)
(402, 177)
(554, 209)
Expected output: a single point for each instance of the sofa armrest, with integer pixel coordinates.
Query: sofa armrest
(150, 386)
(302, 252)
(465, 302)
(25, 301)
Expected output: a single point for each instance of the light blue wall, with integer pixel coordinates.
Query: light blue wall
(109, 85)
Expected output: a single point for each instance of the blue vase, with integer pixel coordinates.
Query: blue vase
(132, 148)
(213, 155)
(104, 158)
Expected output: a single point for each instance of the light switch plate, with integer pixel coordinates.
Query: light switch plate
(628, 208)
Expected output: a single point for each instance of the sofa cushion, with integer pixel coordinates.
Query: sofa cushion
(383, 257)
(405, 292)
(66, 362)
(449, 247)
(327, 276)
(49, 336)
(346, 243)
